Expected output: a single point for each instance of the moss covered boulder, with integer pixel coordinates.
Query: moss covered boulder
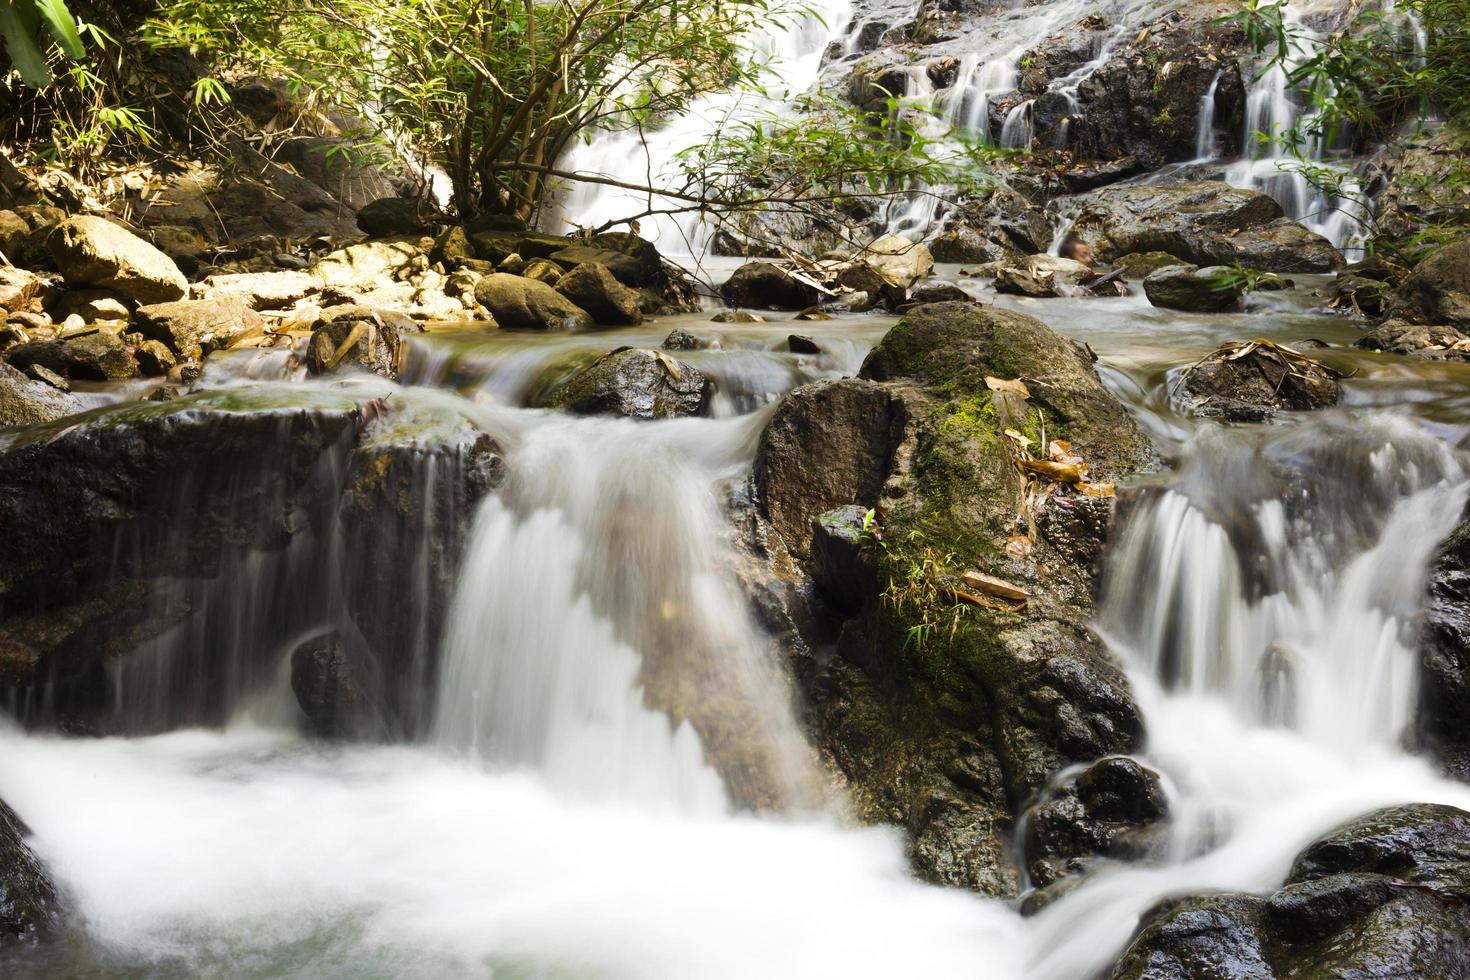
(966, 674)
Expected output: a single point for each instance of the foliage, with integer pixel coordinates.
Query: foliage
(22, 23)
(1239, 279)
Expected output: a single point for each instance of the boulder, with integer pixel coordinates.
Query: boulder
(525, 304)
(543, 270)
(1438, 290)
(262, 290)
(1194, 290)
(627, 269)
(680, 339)
(900, 261)
(1252, 382)
(333, 689)
(1042, 275)
(19, 289)
(452, 247)
(92, 305)
(341, 167)
(1137, 265)
(763, 286)
(14, 233)
(1203, 223)
(636, 383)
(1000, 226)
(375, 343)
(27, 402)
(29, 908)
(184, 245)
(194, 328)
(1421, 178)
(368, 265)
(1381, 896)
(593, 288)
(96, 356)
(943, 713)
(155, 360)
(801, 344)
(391, 216)
(92, 251)
(937, 291)
(1442, 724)
(1429, 342)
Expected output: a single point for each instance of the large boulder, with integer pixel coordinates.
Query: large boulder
(636, 383)
(92, 251)
(946, 707)
(1253, 382)
(27, 402)
(1382, 896)
(1438, 290)
(368, 265)
(192, 328)
(96, 356)
(518, 303)
(1420, 181)
(333, 689)
(375, 342)
(899, 260)
(1192, 289)
(763, 286)
(595, 289)
(261, 290)
(1204, 223)
(1042, 275)
(29, 909)
(389, 216)
(1443, 724)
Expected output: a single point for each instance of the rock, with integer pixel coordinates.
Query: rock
(680, 339)
(370, 264)
(1442, 724)
(511, 265)
(737, 316)
(1420, 181)
(1435, 343)
(593, 288)
(184, 245)
(194, 328)
(27, 402)
(333, 689)
(1192, 289)
(1137, 265)
(627, 269)
(14, 233)
(155, 360)
(1438, 290)
(1041, 276)
(1381, 896)
(375, 343)
(29, 908)
(340, 166)
(95, 356)
(92, 305)
(262, 290)
(1255, 386)
(91, 251)
(937, 291)
(944, 715)
(19, 289)
(496, 246)
(766, 287)
(1204, 223)
(391, 216)
(640, 384)
(999, 226)
(898, 260)
(42, 373)
(525, 304)
(543, 270)
(799, 344)
(452, 247)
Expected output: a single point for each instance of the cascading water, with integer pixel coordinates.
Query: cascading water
(1206, 143)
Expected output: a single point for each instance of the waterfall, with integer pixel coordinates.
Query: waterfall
(791, 53)
(597, 636)
(1206, 146)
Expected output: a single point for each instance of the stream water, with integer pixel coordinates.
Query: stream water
(556, 825)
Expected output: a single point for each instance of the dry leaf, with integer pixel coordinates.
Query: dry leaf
(1023, 441)
(990, 585)
(1097, 489)
(1000, 384)
(1018, 546)
(1054, 471)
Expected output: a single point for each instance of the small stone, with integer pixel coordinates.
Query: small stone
(737, 316)
(800, 344)
(680, 339)
(154, 359)
(42, 373)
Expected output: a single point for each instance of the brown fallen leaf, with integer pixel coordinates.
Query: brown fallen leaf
(1000, 384)
(1018, 546)
(1054, 471)
(1097, 490)
(990, 585)
(975, 600)
(1023, 441)
(812, 313)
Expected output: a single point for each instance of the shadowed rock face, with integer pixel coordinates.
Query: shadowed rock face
(28, 904)
(943, 717)
(1444, 651)
(1381, 896)
(172, 549)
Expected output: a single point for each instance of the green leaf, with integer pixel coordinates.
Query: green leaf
(21, 45)
(62, 25)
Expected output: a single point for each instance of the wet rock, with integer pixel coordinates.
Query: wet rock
(1137, 265)
(96, 356)
(1429, 342)
(333, 689)
(1041, 275)
(262, 290)
(900, 261)
(593, 288)
(1442, 724)
(29, 908)
(1438, 290)
(737, 316)
(636, 383)
(155, 360)
(27, 402)
(193, 328)
(1194, 290)
(518, 303)
(839, 565)
(800, 344)
(91, 251)
(391, 216)
(1256, 384)
(1114, 808)
(1381, 896)
(764, 286)
(680, 339)
(937, 291)
(375, 343)
(1420, 179)
(1002, 226)
(1204, 223)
